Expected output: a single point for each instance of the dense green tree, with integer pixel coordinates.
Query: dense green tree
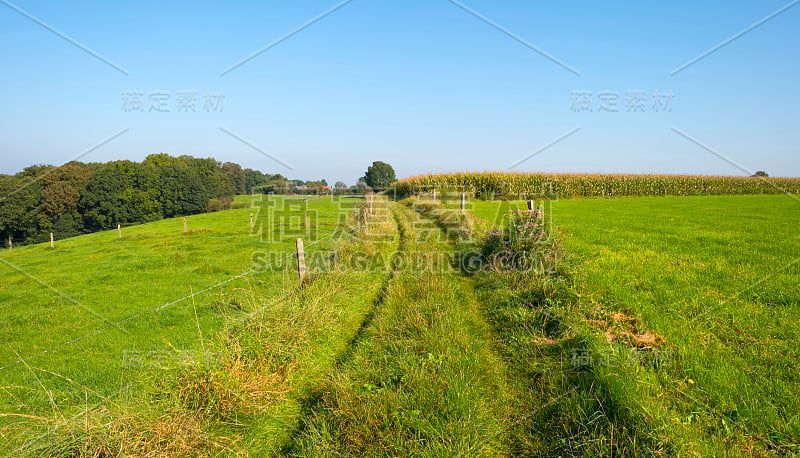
(75, 198)
(254, 180)
(236, 177)
(19, 205)
(160, 159)
(213, 181)
(33, 172)
(315, 187)
(101, 203)
(380, 175)
(195, 195)
(61, 189)
(278, 186)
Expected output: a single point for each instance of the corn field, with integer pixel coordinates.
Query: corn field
(491, 185)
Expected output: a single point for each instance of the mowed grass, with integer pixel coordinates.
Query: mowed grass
(91, 303)
(718, 277)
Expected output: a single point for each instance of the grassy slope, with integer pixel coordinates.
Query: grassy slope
(108, 277)
(733, 381)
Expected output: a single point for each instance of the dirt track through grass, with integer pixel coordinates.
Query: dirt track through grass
(312, 402)
(423, 379)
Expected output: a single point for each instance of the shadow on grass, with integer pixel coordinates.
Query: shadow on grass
(312, 402)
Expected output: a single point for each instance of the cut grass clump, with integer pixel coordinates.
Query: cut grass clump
(526, 245)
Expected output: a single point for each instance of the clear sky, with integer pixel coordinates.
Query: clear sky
(423, 85)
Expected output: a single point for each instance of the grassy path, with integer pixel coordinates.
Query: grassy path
(456, 365)
(422, 379)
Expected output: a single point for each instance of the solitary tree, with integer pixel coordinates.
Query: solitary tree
(380, 175)
(760, 173)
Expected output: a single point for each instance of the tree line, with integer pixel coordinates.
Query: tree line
(78, 198)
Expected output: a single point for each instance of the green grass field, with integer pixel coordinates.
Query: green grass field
(718, 278)
(383, 358)
(85, 312)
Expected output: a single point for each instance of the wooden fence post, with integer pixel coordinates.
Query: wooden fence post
(10, 245)
(434, 195)
(119, 231)
(463, 202)
(251, 221)
(301, 261)
(52, 243)
(530, 205)
(184, 224)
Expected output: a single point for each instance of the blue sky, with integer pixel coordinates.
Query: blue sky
(422, 85)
